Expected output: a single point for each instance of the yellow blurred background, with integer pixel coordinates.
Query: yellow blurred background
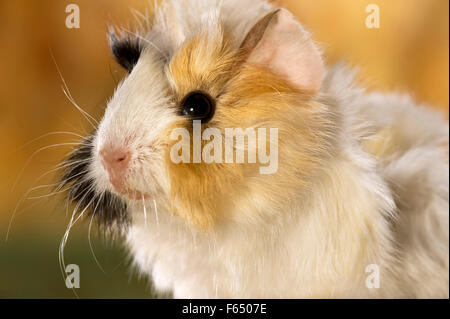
(408, 53)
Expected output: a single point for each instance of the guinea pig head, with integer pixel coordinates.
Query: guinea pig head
(165, 131)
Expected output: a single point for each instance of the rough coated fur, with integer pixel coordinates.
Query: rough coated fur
(362, 179)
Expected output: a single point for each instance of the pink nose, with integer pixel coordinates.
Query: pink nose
(116, 162)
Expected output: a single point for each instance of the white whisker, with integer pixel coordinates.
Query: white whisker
(86, 115)
(64, 239)
(58, 167)
(18, 213)
(49, 195)
(148, 41)
(34, 154)
(22, 199)
(156, 213)
(145, 211)
(45, 135)
(89, 237)
(66, 91)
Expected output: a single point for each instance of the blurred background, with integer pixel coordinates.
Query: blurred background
(408, 53)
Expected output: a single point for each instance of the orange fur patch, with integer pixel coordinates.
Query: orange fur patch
(246, 96)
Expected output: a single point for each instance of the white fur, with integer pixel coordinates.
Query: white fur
(362, 210)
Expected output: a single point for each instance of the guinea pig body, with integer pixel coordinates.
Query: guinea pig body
(357, 205)
(381, 200)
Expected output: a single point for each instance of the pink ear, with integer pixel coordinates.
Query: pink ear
(279, 43)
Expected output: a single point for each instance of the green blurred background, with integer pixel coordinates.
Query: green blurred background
(408, 53)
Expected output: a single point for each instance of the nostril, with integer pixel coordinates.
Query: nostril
(113, 157)
(122, 158)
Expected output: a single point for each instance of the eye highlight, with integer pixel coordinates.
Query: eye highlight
(198, 105)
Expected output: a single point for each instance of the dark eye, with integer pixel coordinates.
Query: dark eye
(198, 106)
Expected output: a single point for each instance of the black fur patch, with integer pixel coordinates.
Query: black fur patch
(108, 209)
(126, 51)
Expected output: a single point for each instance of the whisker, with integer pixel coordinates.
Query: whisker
(86, 115)
(89, 236)
(66, 234)
(33, 155)
(145, 211)
(67, 181)
(50, 194)
(46, 135)
(58, 167)
(61, 248)
(69, 96)
(139, 17)
(83, 211)
(148, 41)
(156, 213)
(63, 243)
(20, 202)
(18, 213)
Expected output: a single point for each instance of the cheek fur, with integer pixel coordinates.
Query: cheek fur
(200, 192)
(205, 194)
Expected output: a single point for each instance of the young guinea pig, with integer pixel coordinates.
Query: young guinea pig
(236, 165)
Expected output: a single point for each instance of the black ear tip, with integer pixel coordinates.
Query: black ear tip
(126, 50)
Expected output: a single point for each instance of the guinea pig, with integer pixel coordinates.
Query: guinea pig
(235, 164)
